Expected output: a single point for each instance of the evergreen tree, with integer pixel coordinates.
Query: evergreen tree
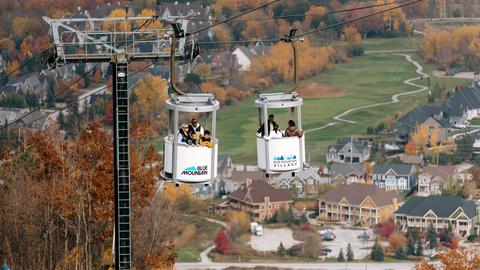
(350, 255)
(400, 253)
(419, 251)
(432, 236)
(303, 219)
(377, 252)
(290, 219)
(447, 233)
(341, 257)
(281, 251)
(410, 246)
(86, 81)
(32, 100)
(51, 94)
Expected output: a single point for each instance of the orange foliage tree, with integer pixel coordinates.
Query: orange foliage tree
(454, 259)
(61, 197)
(218, 91)
(276, 65)
(457, 46)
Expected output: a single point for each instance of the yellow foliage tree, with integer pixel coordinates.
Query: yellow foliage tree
(396, 240)
(410, 148)
(313, 13)
(118, 25)
(276, 65)
(239, 218)
(12, 67)
(151, 25)
(172, 194)
(218, 91)
(420, 137)
(203, 70)
(393, 19)
(151, 96)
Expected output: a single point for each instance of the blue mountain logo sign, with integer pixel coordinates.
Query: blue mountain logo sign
(285, 161)
(195, 170)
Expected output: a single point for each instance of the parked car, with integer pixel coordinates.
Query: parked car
(328, 236)
(327, 250)
(323, 253)
(364, 236)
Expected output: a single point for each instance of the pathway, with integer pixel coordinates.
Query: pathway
(395, 98)
(204, 254)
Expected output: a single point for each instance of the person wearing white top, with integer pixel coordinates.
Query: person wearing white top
(276, 132)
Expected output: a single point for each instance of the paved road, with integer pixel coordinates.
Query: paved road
(395, 97)
(299, 266)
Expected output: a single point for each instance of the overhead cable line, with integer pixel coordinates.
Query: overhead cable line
(357, 18)
(42, 52)
(298, 35)
(306, 15)
(232, 18)
(316, 30)
(56, 95)
(71, 103)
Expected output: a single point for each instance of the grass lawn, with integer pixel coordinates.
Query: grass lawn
(401, 43)
(475, 122)
(189, 249)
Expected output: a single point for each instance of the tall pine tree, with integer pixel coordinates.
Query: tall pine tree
(432, 236)
(341, 257)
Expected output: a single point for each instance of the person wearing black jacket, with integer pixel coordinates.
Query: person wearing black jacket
(270, 123)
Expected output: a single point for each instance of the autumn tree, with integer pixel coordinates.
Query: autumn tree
(151, 95)
(396, 240)
(222, 243)
(218, 91)
(386, 228)
(411, 148)
(354, 40)
(118, 25)
(13, 67)
(239, 218)
(64, 202)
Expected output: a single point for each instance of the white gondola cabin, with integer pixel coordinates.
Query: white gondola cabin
(187, 163)
(278, 155)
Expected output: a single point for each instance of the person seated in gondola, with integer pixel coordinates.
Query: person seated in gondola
(206, 140)
(261, 130)
(195, 130)
(183, 136)
(276, 132)
(292, 130)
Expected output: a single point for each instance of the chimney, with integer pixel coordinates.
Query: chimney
(248, 182)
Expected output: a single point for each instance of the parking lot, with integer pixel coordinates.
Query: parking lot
(271, 238)
(345, 236)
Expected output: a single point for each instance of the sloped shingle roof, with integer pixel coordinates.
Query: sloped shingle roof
(442, 206)
(399, 169)
(356, 193)
(347, 168)
(344, 141)
(443, 171)
(258, 190)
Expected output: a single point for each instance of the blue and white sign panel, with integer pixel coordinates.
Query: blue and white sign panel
(284, 154)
